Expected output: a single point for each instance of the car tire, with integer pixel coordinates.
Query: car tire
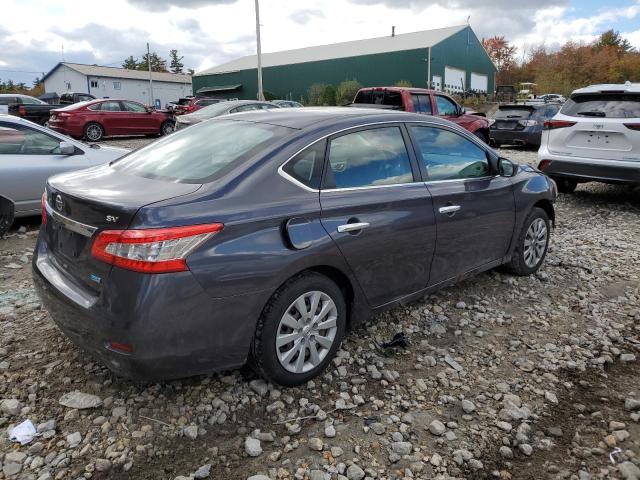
(7, 212)
(166, 128)
(532, 243)
(303, 357)
(93, 132)
(482, 136)
(565, 185)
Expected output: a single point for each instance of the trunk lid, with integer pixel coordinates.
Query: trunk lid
(76, 216)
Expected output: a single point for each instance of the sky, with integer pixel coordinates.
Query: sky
(210, 32)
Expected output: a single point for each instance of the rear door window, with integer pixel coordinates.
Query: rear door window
(603, 105)
(368, 158)
(421, 103)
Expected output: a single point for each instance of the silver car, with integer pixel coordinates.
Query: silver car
(29, 154)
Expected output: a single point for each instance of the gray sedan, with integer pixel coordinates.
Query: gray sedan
(29, 154)
(219, 109)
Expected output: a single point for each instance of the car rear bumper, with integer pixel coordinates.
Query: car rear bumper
(591, 170)
(514, 137)
(71, 130)
(174, 327)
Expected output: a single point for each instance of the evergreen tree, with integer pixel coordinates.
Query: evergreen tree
(130, 63)
(176, 64)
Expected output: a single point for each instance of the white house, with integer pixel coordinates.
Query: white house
(112, 82)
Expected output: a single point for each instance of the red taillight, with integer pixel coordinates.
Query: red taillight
(553, 124)
(22, 111)
(632, 126)
(43, 208)
(120, 347)
(154, 250)
(544, 164)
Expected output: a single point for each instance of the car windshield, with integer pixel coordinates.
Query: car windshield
(604, 105)
(201, 153)
(515, 113)
(211, 111)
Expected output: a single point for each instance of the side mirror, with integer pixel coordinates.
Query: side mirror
(506, 168)
(461, 111)
(148, 108)
(67, 148)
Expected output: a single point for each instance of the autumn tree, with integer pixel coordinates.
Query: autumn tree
(502, 54)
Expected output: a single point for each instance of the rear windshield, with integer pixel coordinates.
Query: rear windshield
(513, 113)
(200, 153)
(603, 105)
(73, 106)
(379, 97)
(211, 111)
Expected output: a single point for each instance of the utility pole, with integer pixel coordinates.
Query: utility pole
(151, 102)
(260, 91)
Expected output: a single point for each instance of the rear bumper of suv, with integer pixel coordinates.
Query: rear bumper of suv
(590, 169)
(515, 137)
(175, 329)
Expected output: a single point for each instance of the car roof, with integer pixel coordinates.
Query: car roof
(301, 118)
(399, 89)
(626, 87)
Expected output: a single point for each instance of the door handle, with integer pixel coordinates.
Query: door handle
(449, 209)
(352, 227)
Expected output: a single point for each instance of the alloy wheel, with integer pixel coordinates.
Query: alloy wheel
(94, 132)
(306, 332)
(535, 242)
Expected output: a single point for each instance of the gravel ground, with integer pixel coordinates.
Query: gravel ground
(504, 377)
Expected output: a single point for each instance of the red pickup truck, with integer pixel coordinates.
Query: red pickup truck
(428, 102)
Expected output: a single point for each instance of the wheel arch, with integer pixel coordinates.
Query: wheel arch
(547, 206)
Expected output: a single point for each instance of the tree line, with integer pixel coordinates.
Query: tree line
(609, 59)
(158, 64)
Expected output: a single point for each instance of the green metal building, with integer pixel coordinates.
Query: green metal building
(453, 58)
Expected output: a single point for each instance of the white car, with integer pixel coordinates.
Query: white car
(594, 138)
(31, 153)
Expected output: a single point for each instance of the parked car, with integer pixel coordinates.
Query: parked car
(29, 154)
(175, 107)
(521, 123)
(95, 119)
(69, 98)
(427, 102)
(594, 138)
(196, 104)
(25, 106)
(552, 97)
(232, 227)
(287, 103)
(218, 109)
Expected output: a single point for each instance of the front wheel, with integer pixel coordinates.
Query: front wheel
(300, 330)
(167, 128)
(533, 242)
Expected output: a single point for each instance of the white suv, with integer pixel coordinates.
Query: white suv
(595, 137)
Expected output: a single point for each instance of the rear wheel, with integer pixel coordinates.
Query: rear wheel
(166, 128)
(565, 185)
(532, 245)
(93, 131)
(482, 136)
(6, 215)
(300, 330)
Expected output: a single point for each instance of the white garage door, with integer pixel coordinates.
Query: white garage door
(479, 82)
(454, 79)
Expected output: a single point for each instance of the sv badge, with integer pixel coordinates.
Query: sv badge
(111, 218)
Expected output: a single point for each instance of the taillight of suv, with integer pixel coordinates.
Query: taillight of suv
(554, 124)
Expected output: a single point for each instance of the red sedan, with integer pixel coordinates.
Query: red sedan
(95, 119)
